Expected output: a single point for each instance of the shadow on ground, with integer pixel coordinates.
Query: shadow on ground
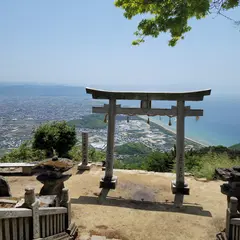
(187, 208)
(81, 171)
(14, 174)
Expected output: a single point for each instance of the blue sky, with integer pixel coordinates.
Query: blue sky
(89, 43)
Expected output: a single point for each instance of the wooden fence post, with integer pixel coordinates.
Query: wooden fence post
(29, 197)
(31, 202)
(65, 202)
(231, 213)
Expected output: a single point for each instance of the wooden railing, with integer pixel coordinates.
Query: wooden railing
(52, 221)
(35, 222)
(235, 229)
(233, 220)
(15, 223)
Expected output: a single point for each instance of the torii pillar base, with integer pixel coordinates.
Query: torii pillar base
(83, 166)
(108, 183)
(185, 190)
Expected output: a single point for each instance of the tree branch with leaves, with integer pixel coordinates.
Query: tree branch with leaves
(171, 16)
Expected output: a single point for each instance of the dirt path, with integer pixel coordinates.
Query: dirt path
(140, 208)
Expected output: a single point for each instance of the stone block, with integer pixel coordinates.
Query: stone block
(94, 237)
(4, 188)
(108, 183)
(27, 170)
(84, 167)
(182, 190)
(84, 237)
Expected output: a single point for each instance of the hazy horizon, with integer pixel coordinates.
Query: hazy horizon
(151, 88)
(88, 43)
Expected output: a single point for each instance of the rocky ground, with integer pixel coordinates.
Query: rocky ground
(141, 206)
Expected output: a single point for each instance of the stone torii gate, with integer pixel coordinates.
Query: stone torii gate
(179, 187)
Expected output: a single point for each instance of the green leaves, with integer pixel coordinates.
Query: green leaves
(230, 4)
(159, 162)
(25, 153)
(55, 135)
(169, 16)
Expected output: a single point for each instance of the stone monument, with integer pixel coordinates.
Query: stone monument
(84, 165)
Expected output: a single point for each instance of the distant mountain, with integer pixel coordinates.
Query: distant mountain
(40, 90)
(235, 147)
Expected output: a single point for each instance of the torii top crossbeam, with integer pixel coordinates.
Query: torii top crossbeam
(148, 96)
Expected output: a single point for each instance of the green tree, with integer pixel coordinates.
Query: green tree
(159, 162)
(171, 16)
(55, 135)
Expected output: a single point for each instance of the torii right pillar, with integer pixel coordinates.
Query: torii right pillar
(180, 187)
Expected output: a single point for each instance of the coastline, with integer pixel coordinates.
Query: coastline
(171, 130)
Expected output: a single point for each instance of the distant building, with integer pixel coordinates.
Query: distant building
(99, 146)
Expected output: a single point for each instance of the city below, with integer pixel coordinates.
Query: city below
(20, 115)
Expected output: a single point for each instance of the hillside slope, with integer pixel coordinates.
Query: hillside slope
(235, 147)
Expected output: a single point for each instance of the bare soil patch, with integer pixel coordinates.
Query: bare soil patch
(141, 206)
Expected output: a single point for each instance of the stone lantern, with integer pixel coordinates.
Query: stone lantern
(51, 175)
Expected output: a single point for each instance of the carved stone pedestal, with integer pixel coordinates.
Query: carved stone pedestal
(52, 184)
(83, 166)
(232, 187)
(108, 183)
(180, 190)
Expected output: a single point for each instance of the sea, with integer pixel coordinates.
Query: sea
(219, 125)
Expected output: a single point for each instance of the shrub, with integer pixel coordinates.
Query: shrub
(93, 155)
(55, 135)
(75, 153)
(159, 162)
(96, 156)
(118, 164)
(133, 162)
(24, 153)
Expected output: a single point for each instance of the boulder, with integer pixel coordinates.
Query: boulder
(4, 188)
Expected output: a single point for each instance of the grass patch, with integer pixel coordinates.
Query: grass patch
(209, 162)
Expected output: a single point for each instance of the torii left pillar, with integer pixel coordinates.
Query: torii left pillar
(109, 181)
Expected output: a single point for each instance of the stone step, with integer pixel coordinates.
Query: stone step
(94, 237)
(84, 237)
